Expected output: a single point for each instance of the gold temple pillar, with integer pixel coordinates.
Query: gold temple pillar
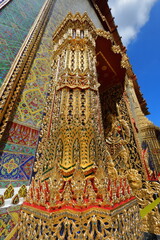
(74, 195)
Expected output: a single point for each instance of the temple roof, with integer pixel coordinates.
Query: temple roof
(107, 20)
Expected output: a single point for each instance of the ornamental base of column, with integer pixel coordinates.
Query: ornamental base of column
(90, 223)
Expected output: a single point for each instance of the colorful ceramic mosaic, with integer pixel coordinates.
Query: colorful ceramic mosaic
(6, 225)
(18, 149)
(8, 222)
(22, 135)
(16, 183)
(32, 101)
(17, 153)
(30, 107)
(16, 167)
(15, 21)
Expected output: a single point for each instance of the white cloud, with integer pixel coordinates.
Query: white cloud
(130, 16)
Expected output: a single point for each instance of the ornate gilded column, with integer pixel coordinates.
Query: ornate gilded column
(72, 122)
(72, 195)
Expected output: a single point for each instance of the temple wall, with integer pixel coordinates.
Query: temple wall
(16, 19)
(18, 147)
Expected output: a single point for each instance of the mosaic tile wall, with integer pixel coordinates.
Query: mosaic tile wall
(16, 19)
(17, 153)
(18, 149)
(30, 108)
(8, 222)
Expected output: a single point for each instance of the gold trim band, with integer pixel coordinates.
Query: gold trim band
(18, 72)
(4, 3)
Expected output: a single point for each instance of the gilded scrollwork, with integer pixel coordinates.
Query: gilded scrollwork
(94, 227)
(119, 135)
(116, 49)
(55, 185)
(70, 100)
(117, 139)
(105, 34)
(78, 184)
(59, 152)
(144, 192)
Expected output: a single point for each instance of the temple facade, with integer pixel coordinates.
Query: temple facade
(79, 158)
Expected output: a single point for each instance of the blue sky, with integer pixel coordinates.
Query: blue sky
(144, 54)
(139, 25)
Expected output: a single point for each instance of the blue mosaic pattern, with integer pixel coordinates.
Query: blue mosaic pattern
(15, 166)
(16, 19)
